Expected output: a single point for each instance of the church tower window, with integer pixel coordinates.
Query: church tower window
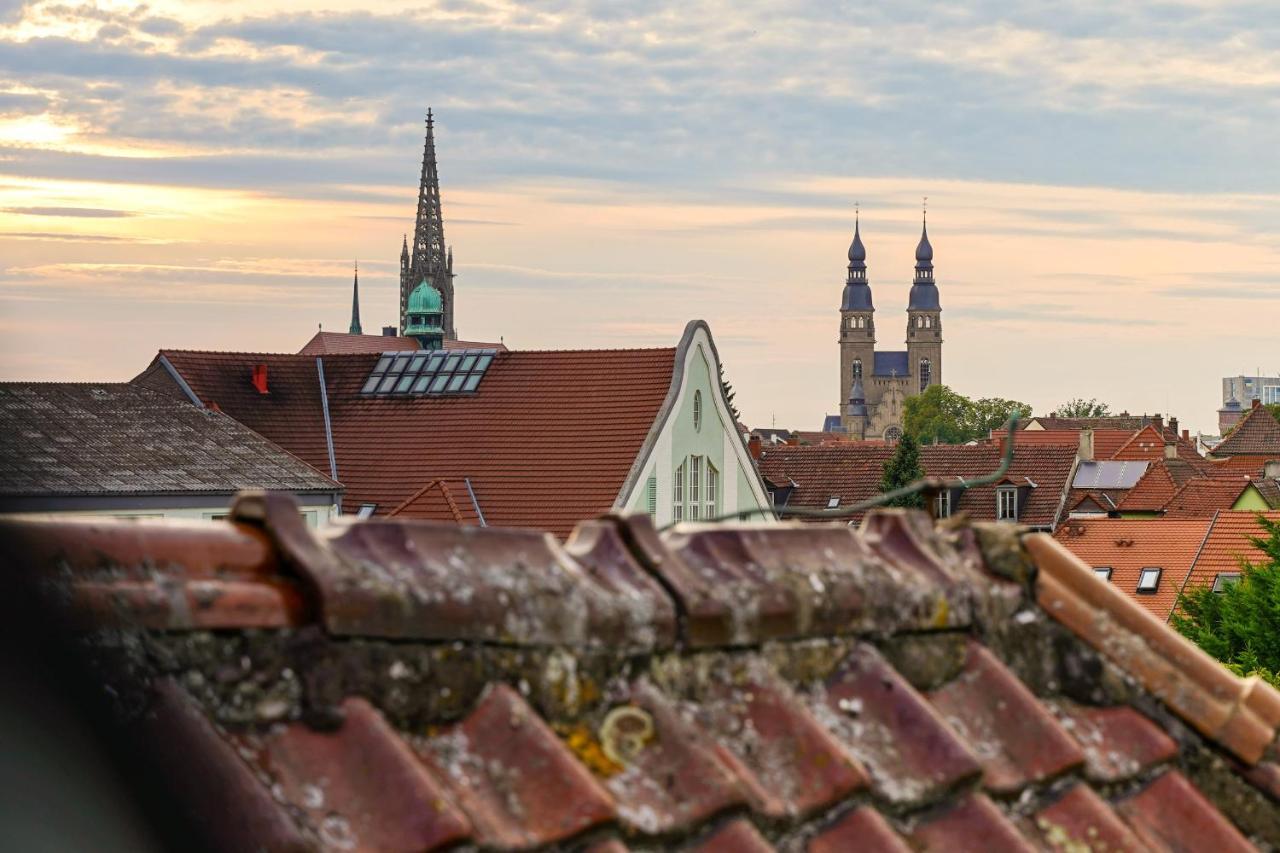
(926, 373)
(857, 369)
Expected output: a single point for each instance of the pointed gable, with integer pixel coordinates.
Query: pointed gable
(1146, 444)
(1257, 433)
(1152, 492)
(1203, 497)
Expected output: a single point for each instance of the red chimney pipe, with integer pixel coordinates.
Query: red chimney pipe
(260, 378)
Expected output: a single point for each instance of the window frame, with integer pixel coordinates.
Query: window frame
(697, 411)
(1222, 580)
(711, 494)
(1006, 494)
(1143, 587)
(366, 511)
(677, 492)
(1103, 573)
(942, 504)
(833, 502)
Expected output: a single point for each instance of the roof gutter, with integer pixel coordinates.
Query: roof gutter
(328, 429)
(182, 383)
(475, 503)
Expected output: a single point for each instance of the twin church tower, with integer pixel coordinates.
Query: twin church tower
(874, 385)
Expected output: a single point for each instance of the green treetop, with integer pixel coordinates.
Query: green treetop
(1079, 407)
(941, 416)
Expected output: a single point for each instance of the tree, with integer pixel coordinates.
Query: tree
(993, 413)
(1078, 407)
(941, 416)
(1274, 409)
(901, 469)
(1240, 625)
(728, 395)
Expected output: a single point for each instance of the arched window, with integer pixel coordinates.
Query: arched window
(926, 373)
(857, 369)
(697, 411)
(893, 434)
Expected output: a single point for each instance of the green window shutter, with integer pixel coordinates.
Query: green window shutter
(651, 496)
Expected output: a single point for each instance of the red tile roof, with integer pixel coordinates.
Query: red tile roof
(1203, 497)
(549, 437)
(851, 471)
(1228, 543)
(1243, 465)
(1258, 432)
(1145, 444)
(442, 500)
(496, 688)
(327, 343)
(290, 414)
(339, 343)
(1127, 546)
(1153, 490)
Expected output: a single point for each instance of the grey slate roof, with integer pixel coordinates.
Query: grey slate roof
(119, 439)
(891, 364)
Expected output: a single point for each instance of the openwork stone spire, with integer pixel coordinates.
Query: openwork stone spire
(429, 258)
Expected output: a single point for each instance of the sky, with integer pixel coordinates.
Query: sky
(1102, 183)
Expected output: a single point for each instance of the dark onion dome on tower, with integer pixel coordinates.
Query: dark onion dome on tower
(924, 291)
(924, 250)
(857, 293)
(857, 399)
(857, 251)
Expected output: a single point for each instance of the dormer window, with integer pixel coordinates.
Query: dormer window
(1006, 503)
(1149, 580)
(942, 504)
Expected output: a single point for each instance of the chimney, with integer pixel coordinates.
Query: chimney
(388, 331)
(1173, 425)
(1158, 421)
(753, 446)
(1186, 435)
(1271, 469)
(260, 378)
(1086, 445)
(1256, 403)
(1170, 450)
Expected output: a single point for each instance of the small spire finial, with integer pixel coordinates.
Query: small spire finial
(856, 210)
(924, 209)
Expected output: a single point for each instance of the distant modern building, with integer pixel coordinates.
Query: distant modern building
(1238, 394)
(875, 383)
(124, 451)
(488, 436)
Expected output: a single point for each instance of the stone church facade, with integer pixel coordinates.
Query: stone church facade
(874, 384)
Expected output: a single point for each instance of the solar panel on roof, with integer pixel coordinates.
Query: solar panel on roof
(439, 372)
(1108, 474)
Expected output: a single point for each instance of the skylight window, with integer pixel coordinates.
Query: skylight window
(366, 510)
(1103, 572)
(438, 372)
(1149, 580)
(833, 502)
(1224, 580)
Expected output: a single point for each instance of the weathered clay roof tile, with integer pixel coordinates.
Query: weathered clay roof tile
(958, 688)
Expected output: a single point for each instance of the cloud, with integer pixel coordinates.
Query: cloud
(86, 212)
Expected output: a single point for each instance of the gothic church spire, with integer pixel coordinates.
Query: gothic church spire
(355, 304)
(429, 259)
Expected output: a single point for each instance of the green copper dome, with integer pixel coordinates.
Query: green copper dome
(425, 299)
